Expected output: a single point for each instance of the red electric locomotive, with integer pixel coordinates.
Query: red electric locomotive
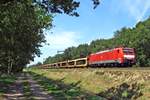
(114, 57)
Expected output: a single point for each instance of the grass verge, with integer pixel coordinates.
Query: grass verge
(118, 83)
(61, 91)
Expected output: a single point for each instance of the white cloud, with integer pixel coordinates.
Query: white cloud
(137, 8)
(62, 40)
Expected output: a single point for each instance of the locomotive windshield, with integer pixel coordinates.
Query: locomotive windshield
(128, 51)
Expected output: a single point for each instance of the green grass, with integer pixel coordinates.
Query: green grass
(7, 79)
(125, 94)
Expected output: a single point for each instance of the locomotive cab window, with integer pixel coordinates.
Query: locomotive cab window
(118, 51)
(128, 51)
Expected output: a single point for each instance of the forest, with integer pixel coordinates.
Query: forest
(137, 37)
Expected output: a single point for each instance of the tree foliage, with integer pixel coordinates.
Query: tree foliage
(21, 33)
(137, 37)
(63, 6)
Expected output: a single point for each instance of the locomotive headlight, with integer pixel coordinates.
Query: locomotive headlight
(129, 56)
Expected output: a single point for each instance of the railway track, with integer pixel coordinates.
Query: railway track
(124, 68)
(106, 69)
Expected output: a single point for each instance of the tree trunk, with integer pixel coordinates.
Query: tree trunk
(10, 66)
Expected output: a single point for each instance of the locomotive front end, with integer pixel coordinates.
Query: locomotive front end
(129, 56)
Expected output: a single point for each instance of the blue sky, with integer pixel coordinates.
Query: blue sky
(109, 16)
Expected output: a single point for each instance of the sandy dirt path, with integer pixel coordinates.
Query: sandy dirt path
(16, 90)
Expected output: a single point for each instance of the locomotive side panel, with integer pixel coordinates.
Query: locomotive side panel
(112, 57)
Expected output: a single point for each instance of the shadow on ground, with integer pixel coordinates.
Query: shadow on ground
(61, 91)
(122, 92)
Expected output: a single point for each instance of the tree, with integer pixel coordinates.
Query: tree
(62, 6)
(21, 33)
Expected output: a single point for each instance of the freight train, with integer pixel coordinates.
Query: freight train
(117, 57)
